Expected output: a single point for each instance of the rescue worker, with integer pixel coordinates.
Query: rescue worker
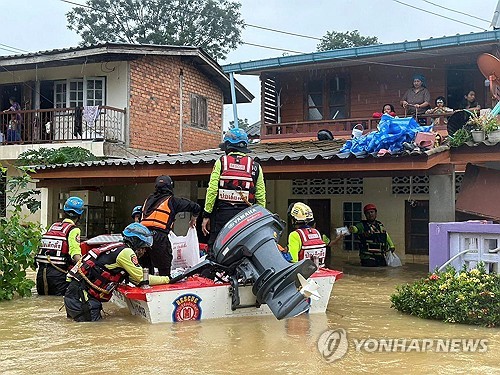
(59, 251)
(305, 242)
(158, 215)
(136, 214)
(375, 242)
(98, 273)
(236, 182)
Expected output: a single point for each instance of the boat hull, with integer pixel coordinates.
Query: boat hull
(199, 299)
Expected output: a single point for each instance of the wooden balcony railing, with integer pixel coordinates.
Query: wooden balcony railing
(340, 128)
(61, 124)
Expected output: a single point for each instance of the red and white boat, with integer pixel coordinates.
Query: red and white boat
(198, 298)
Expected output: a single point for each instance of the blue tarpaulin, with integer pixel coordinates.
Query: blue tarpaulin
(392, 133)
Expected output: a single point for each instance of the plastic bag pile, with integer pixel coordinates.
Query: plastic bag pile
(392, 133)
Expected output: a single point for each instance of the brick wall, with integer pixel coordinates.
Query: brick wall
(155, 106)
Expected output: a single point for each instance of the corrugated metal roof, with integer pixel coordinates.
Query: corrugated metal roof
(264, 152)
(105, 51)
(354, 53)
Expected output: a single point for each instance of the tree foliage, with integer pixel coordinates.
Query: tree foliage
(19, 239)
(48, 156)
(337, 40)
(214, 25)
(242, 124)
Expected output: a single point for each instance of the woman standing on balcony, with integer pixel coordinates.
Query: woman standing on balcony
(416, 100)
(15, 124)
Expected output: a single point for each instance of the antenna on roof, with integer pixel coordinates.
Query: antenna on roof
(233, 98)
(495, 23)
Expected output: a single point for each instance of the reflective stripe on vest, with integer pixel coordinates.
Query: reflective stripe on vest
(373, 239)
(55, 244)
(312, 245)
(236, 182)
(94, 271)
(160, 217)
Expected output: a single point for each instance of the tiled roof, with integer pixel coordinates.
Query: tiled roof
(263, 152)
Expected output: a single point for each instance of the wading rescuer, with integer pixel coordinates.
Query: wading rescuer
(374, 239)
(59, 251)
(158, 215)
(98, 273)
(236, 182)
(305, 241)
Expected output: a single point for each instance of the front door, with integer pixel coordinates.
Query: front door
(417, 227)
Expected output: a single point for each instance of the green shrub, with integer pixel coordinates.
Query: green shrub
(19, 239)
(468, 297)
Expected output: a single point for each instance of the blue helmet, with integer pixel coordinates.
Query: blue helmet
(74, 205)
(236, 139)
(136, 210)
(137, 235)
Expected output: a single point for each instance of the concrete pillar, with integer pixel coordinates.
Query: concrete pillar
(442, 198)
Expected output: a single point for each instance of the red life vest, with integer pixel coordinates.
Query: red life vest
(55, 246)
(160, 217)
(237, 179)
(312, 245)
(92, 270)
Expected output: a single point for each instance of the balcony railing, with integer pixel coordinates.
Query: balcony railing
(61, 124)
(340, 128)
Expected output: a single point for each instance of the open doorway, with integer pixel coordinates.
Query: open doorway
(460, 80)
(417, 227)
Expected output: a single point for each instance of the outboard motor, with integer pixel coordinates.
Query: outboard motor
(248, 244)
(246, 250)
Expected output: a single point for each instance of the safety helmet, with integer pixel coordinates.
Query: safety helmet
(164, 182)
(73, 205)
(301, 213)
(236, 139)
(137, 236)
(136, 210)
(369, 206)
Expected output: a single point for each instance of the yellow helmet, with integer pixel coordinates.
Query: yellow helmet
(301, 213)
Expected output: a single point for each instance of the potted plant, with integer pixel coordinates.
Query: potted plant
(492, 128)
(476, 126)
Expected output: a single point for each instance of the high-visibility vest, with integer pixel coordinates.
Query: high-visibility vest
(236, 183)
(312, 245)
(55, 246)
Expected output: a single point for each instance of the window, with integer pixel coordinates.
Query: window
(327, 99)
(79, 92)
(352, 215)
(199, 111)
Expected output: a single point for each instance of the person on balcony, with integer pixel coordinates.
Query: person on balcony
(15, 123)
(440, 109)
(469, 102)
(59, 251)
(375, 242)
(236, 182)
(416, 100)
(386, 109)
(158, 215)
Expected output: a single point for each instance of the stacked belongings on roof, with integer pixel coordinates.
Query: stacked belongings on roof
(394, 136)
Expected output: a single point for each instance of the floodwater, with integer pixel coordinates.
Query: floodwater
(36, 338)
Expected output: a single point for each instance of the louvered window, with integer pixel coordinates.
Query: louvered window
(199, 111)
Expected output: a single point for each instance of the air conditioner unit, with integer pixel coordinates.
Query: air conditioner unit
(89, 197)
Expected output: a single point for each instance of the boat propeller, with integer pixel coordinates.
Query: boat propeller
(308, 288)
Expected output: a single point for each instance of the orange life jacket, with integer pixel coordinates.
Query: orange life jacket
(160, 218)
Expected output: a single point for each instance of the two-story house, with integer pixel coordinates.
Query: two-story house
(114, 99)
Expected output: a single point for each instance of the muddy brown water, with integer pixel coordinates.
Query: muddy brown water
(35, 337)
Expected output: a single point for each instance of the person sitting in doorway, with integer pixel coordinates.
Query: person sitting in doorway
(469, 102)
